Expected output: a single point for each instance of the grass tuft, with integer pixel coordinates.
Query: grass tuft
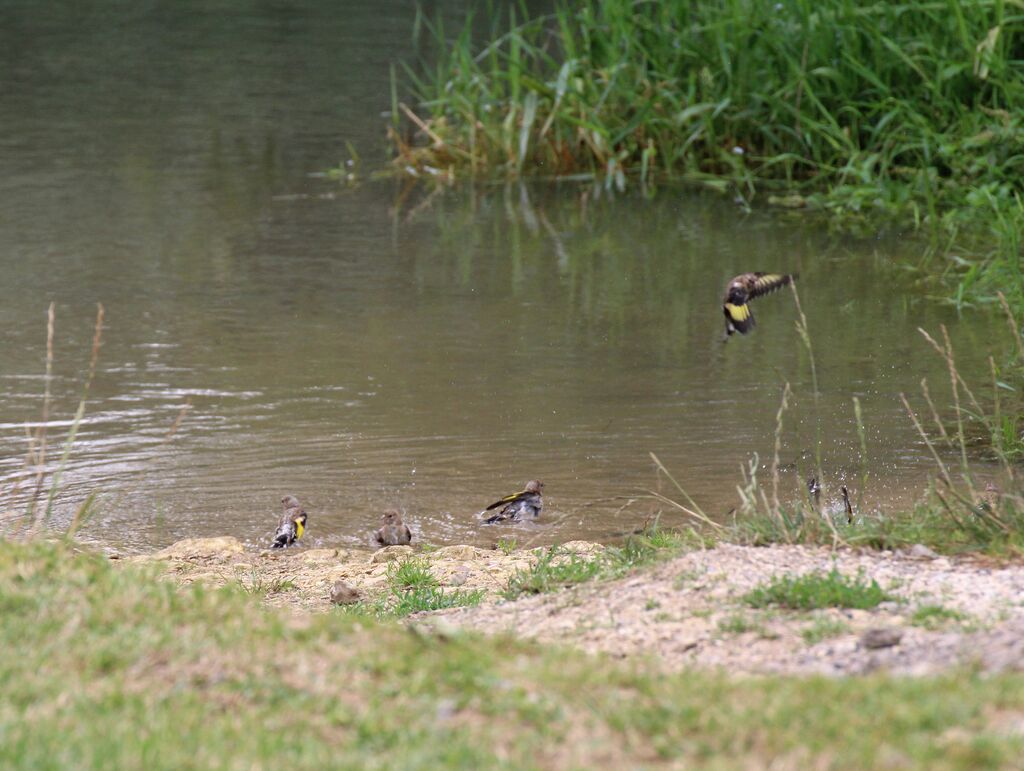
(823, 628)
(557, 568)
(817, 590)
(412, 588)
(410, 574)
(936, 616)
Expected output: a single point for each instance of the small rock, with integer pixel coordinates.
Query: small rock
(345, 594)
(319, 555)
(201, 548)
(582, 548)
(391, 553)
(921, 552)
(881, 637)
(458, 578)
(459, 553)
(889, 606)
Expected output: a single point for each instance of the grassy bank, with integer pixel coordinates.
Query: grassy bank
(116, 669)
(889, 112)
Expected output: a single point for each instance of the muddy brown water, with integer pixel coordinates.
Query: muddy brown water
(364, 349)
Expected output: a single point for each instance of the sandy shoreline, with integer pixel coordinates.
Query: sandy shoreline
(686, 611)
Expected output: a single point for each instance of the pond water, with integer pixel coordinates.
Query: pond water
(364, 347)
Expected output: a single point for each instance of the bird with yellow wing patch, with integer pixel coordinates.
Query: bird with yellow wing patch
(744, 288)
(293, 523)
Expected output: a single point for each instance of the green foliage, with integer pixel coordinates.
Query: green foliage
(822, 628)
(902, 111)
(817, 590)
(557, 568)
(412, 588)
(433, 598)
(738, 623)
(935, 616)
(554, 569)
(410, 574)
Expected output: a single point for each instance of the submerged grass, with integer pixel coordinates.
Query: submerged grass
(909, 112)
(127, 671)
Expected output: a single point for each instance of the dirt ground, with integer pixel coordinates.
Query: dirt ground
(687, 611)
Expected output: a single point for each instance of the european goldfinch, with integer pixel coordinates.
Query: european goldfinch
(394, 532)
(293, 523)
(741, 290)
(527, 503)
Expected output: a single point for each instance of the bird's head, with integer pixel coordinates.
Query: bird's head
(534, 486)
(290, 502)
(391, 518)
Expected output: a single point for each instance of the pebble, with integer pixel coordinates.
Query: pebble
(921, 552)
(345, 594)
(881, 637)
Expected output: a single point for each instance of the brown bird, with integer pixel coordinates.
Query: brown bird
(394, 532)
(527, 503)
(989, 500)
(744, 288)
(293, 523)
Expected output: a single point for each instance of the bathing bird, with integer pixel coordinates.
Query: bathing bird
(814, 493)
(744, 288)
(846, 504)
(393, 532)
(527, 503)
(293, 523)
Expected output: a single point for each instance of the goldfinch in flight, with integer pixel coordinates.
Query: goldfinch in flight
(527, 503)
(741, 290)
(293, 523)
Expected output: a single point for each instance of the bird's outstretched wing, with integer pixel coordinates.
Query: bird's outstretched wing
(507, 499)
(769, 282)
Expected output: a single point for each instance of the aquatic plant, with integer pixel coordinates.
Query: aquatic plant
(904, 112)
(960, 514)
(46, 481)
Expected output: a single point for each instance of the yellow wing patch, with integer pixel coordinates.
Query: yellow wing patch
(737, 312)
(299, 529)
(768, 281)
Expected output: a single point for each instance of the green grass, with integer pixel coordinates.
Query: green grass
(433, 598)
(554, 569)
(823, 628)
(410, 574)
(412, 588)
(936, 616)
(260, 585)
(113, 668)
(738, 623)
(557, 568)
(930, 524)
(817, 590)
(872, 113)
